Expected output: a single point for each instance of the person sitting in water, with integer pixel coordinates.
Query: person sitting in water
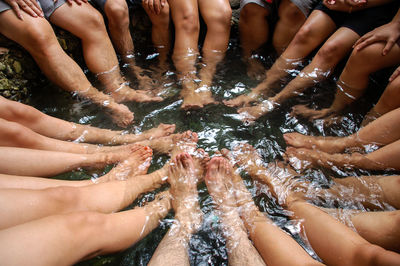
(328, 19)
(256, 17)
(185, 16)
(24, 23)
(327, 151)
(381, 46)
(366, 237)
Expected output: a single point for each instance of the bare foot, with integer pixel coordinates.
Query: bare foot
(326, 144)
(219, 185)
(120, 114)
(174, 143)
(195, 97)
(183, 179)
(243, 100)
(145, 82)
(160, 131)
(255, 69)
(127, 94)
(302, 158)
(137, 163)
(252, 113)
(308, 113)
(247, 157)
(218, 173)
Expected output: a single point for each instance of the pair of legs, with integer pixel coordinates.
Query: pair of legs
(51, 127)
(317, 28)
(354, 80)
(324, 233)
(118, 24)
(160, 33)
(185, 16)
(254, 31)
(382, 132)
(66, 156)
(53, 240)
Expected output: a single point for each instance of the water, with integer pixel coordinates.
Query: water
(217, 127)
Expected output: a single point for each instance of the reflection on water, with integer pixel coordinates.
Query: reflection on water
(218, 127)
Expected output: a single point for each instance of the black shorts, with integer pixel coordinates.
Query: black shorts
(363, 21)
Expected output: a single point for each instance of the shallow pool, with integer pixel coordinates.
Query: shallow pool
(217, 127)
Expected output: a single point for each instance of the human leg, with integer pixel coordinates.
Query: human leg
(382, 159)
(240, 249)
(323, 63)
(38, 38)
(183, 180)
(314, 31)
(354, 79)
(161, 34)
(381, 131)
(15, 135)
(98, 51)
(254, 32)
(185, 16)
(93, 232)
(272, 243)
(352, 248)
(27, 162)
(386, 103)
(105, 197)
(118, 24)
(60, 129)
(217, 16)
(290, 20)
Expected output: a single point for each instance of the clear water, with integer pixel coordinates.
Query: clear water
(217, 128)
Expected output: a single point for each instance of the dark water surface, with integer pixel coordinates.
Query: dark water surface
(217, 128)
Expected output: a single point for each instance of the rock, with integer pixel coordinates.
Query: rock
(17, 67)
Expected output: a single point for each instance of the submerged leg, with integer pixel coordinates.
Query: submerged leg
(240, 249)
(183, 179)
(94, 233)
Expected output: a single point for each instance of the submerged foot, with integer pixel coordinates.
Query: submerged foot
(161, 131)
(183, 178)
(137, 163)
(242, 100)
(255, 69)
(308, 113)
(127, 94)
(120, 114)
(219, 173)
(326, 144)
(252, 113)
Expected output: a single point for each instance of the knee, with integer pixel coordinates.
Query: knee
(219, 18)
(252, 11)
(329, 51)
(162, 20)
(189, 22)
(65, 198)
(303, 36)
(94, 23)
(15, 132)
(366, 254)
(86, 223)
(117, 14)
(291, 13)
(40, 40)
